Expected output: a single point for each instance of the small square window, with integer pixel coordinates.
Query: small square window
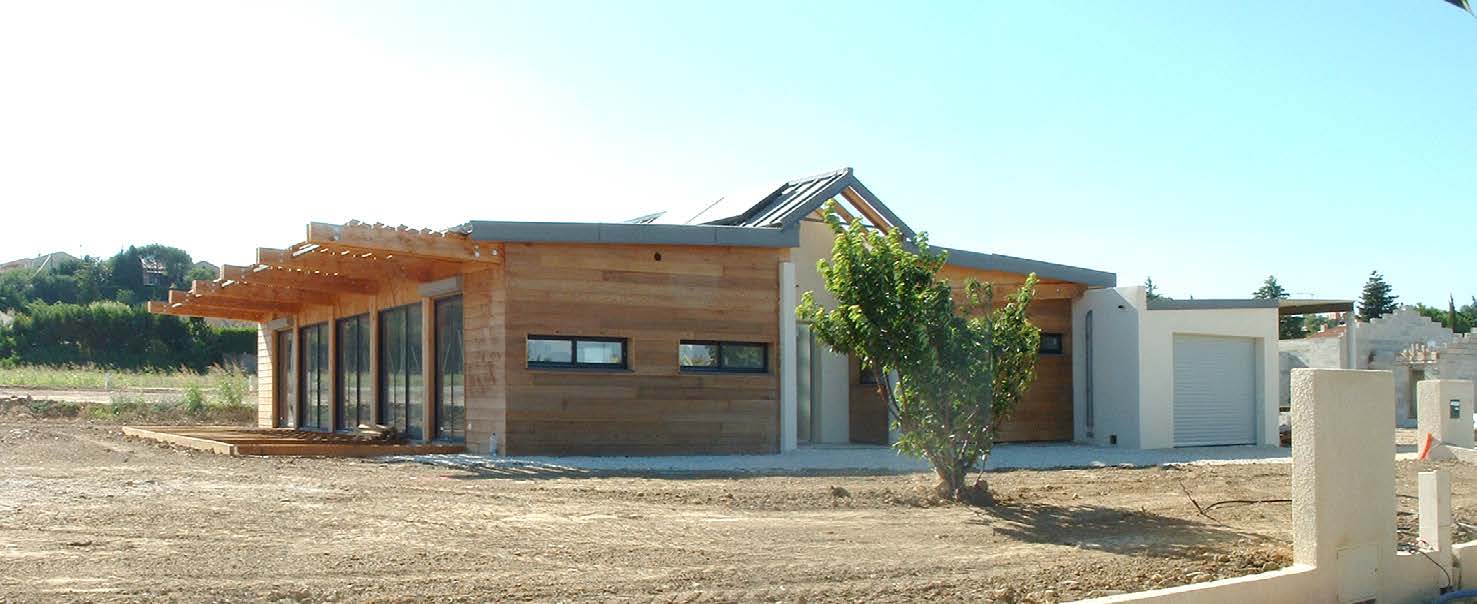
(1051, 343)
(693, 355)
(549, 351)
(598, 352)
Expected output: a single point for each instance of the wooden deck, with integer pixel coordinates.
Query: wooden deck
(231, 440)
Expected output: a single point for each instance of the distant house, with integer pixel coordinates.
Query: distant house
(38, 263)
(1408, 344)
(672, 333)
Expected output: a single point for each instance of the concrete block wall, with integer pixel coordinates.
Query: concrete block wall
(1306, 353)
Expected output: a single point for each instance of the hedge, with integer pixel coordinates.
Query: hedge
(110, 334)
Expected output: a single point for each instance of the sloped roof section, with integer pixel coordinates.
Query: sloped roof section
(777, 206)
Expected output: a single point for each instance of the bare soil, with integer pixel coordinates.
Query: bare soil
(87, 515)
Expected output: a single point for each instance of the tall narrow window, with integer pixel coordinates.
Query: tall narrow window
(354, 389)
(451, 394)
(402, 385)
(286, 381)
(313, 392)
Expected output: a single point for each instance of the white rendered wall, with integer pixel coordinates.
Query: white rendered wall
(1157, 329)
(1435, 398)
(788, 361)
(832, 406)
(1115, 334)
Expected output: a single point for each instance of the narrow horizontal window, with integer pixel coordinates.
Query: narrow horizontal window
(738, 357)
(1051, 343)
(576, 352)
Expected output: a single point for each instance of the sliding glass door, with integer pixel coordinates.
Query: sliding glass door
(314, 389)
(402, 383)
(451, 394)
(355, 390)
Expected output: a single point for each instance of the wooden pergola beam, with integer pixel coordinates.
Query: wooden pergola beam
(265, 293)
(298, 279)
(192, 310)
(357, 264)
(177, 297)
(404, 242)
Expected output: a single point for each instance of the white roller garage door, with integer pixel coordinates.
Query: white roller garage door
(1214, 391)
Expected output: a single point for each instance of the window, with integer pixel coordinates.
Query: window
(738, 357)
(1051, 343)
(402, 383)
(865, 376)
(576, 352)
(285, 381)
(315, 380)
(451, 395)
(354, 389)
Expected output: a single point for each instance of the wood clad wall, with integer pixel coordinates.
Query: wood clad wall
(484, 315)
(482, 324)
(265, 371)
(625, 291)
(1046, 412)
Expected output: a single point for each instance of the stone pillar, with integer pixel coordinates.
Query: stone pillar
(1444, 411)
(1343, 476)
(787, 357)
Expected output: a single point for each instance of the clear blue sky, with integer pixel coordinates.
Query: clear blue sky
(1207, 144)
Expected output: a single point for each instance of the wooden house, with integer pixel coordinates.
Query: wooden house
(674, 333)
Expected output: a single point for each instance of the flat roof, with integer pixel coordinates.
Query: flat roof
(1306, 307)
(1284, 307)
(1211, 304)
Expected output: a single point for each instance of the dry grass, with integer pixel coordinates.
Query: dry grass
(98, 378)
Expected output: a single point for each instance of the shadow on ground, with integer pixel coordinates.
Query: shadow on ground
(1114, 530)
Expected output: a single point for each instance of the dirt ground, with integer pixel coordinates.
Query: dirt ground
(88, 515)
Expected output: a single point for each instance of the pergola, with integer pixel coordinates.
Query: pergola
(335, 260)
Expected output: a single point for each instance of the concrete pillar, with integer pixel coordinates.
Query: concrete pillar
(1436, 400)
(1349, 339)
(1434, 489)
(788, 363)
(1343, 497)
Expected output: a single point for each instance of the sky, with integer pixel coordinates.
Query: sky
(1205, 144)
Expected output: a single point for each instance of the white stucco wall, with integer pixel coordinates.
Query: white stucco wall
(1115, 370)
(832, 405)
(1133, 365)
(1157, 329)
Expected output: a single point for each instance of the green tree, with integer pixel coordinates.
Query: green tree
(1459, 320)
(1377, 299)
(1151, 291)
(15, 289)
(1289, 327)
(959, 372)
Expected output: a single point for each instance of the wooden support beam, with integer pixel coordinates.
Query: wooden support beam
(299, 279)
(866, 209)
(253, 305)
(266, 293)
(404, 241)
(192, 310)
(359, 264)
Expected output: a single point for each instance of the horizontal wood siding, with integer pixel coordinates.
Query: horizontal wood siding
(1045, 414)
(625, 291)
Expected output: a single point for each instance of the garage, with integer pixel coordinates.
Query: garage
(1214, 390)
